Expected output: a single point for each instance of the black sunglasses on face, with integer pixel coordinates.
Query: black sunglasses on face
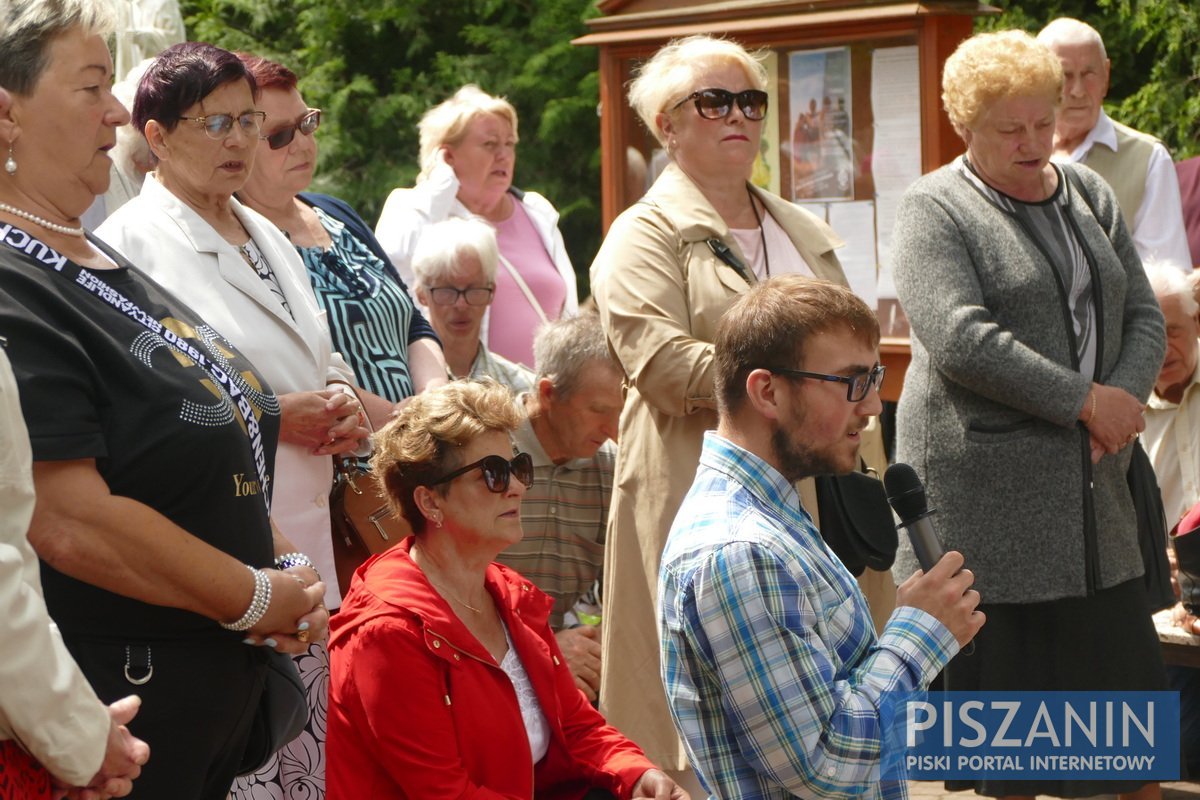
(496, 471)
(717, 103)
(307, 125)
(857, 385)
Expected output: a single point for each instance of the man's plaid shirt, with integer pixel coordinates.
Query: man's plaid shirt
(772, 668)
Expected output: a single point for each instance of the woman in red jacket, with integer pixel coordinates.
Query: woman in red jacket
(447, 681)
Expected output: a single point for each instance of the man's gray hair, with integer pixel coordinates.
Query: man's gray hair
(1166, 279)
(563, 349)
(28, 27)
(1066, 30)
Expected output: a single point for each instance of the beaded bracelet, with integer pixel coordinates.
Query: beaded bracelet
(259, 603)
(289, 560)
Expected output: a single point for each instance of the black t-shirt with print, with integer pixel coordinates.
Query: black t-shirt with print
(95, 383)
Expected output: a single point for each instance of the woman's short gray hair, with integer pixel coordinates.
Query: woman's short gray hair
(28, 27)
(443, 244)
(1166, 279)
(447, 122)
(564, 348)
(671, 74)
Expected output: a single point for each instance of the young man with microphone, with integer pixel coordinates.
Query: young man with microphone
(772, 667)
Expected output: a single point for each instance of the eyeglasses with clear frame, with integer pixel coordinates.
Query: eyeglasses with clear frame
(718, 103)
(858, 385)
(474, 295)
(497, 472)
(306, 125)
(219, 126)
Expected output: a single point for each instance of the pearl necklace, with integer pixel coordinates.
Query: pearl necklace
(45, 223)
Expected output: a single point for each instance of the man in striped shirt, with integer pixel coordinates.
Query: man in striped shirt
(773, 671)
(571, 422)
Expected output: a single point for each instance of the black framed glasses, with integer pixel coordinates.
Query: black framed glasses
(307, 125)
(717, 103)
(474, 295)
(218, 126)
(857, 385)
(496, 471)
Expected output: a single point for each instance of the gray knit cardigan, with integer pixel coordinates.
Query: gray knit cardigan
(990, 401)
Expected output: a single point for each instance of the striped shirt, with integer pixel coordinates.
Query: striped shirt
(564, 515)
(773, 672)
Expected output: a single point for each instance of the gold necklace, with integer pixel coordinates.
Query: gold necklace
(442, 589)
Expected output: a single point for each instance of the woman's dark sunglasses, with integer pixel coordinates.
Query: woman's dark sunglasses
(307, 125)
(717, 103)
(496, 471)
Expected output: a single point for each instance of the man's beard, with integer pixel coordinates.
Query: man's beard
(797, 460)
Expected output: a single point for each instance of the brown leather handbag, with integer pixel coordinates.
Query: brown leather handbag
(363, 525)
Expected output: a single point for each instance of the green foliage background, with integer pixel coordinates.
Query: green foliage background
(1154, 46)
(376, 66)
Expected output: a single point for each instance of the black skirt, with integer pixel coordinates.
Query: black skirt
(1106, 642)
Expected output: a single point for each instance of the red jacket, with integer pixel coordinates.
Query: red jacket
(419, 709)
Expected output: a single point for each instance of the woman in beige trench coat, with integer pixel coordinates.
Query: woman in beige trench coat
(669, 267)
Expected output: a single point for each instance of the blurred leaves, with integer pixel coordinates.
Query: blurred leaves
(376, 66)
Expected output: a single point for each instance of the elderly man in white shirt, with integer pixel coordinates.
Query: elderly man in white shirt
(1136, 164)
(1172, 435)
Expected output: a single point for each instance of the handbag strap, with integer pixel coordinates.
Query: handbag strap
(29, 245)
(524, 287)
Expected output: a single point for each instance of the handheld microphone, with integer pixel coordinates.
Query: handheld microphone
(906, 496)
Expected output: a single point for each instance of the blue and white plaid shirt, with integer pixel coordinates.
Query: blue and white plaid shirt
(772, 668)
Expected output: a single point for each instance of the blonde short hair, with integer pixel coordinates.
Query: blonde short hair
(447, 122)
(671, 74)
(425, 440)
(443, 244)
(996, 66)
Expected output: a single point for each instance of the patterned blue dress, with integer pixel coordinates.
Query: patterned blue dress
(372, 322)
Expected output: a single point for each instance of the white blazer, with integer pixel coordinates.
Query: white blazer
(168, 240)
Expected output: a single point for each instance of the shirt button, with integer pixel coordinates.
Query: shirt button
(553, 509)
(457, 657)
(436, 644)
(320, 500)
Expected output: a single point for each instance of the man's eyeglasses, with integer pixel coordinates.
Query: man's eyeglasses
(857, 385)
(448, 295)
(307, 125)
(218, 126)
(717, 103)
(496, 472)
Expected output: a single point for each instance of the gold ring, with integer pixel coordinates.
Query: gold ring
(302, 636)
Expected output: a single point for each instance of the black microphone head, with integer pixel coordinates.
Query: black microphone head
(905, 492)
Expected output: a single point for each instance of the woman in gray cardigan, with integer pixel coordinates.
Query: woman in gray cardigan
(1036, 340)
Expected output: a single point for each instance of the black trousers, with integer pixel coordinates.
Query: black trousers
(196, 708)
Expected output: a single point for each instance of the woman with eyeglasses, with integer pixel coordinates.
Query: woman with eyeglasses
(669, 267)
(468, 157)
(196, 107)
(454, 270)
(374, 323)
(447, 680)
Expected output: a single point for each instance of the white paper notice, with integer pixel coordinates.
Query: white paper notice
(855, 223)
(896, 154)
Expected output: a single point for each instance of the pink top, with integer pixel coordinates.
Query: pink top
(513, 319)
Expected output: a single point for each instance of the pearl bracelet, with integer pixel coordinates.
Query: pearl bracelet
(259, 603)
(289, 560)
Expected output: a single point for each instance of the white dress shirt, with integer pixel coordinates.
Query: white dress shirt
(1172, 440)
(1157, 228)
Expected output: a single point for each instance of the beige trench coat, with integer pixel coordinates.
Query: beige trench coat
(660, 291)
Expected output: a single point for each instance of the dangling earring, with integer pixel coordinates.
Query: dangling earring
(10, 163)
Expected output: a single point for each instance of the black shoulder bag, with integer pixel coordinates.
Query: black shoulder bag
(1147, 497)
